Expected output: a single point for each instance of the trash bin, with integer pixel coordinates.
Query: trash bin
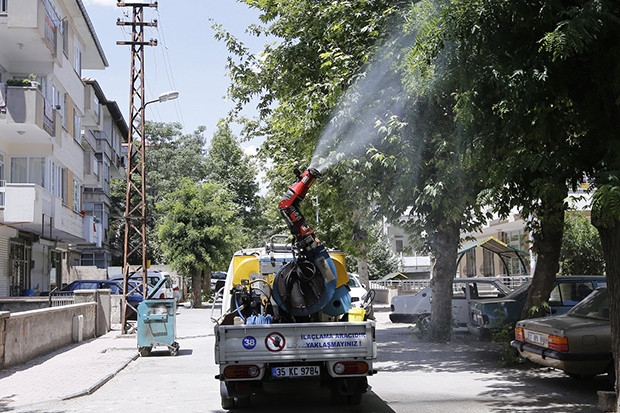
(157, 326)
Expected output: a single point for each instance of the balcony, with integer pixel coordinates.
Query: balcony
(26, 116)
(31, 208)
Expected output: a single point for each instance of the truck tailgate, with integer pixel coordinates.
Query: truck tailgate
(295, 341)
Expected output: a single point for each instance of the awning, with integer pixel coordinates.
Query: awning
(498, 247)
(393, 276)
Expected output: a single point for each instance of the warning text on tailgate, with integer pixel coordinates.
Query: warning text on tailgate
(335, 340)
(276, 341)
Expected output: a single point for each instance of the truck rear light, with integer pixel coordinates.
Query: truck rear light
(350, 367)
(242, 372)
(519, 335)
(558, 343)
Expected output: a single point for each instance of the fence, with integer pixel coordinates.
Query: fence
(58, 299)
(414, 286)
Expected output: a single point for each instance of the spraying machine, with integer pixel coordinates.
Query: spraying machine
(287, 317)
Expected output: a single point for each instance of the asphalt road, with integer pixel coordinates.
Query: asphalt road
(461, 376)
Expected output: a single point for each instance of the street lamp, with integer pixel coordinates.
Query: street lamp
(164, 97)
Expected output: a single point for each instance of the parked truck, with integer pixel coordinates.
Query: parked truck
(287, 318)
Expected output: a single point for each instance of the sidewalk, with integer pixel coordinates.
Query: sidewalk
(73, 371)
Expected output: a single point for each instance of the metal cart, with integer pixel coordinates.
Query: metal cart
(157, 326)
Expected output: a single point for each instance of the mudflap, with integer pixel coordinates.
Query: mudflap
(236, 393)
(349, 389)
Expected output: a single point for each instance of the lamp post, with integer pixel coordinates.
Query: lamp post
(135, 200)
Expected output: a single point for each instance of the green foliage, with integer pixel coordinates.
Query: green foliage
(227, 164)
(199, 227)
(170, 158)
(581, 252)
(504, 334)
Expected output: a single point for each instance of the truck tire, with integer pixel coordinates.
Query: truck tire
(354, 399)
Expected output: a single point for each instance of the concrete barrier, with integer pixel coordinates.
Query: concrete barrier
(29, 334)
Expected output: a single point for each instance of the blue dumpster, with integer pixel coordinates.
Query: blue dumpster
(157, 326)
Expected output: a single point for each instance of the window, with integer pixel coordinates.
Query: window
(58, 177)
(88, 162)
(96, 106)
(77, 125)
(488, 263)
(94, 259)
(77, 58)
(518, 240)
(65, 37)
(2, 182)
(399, 245)
(28, 170)
(470, 263)
(65, 111)
(77, 204)
(4, 7)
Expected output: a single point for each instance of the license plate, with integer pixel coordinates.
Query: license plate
(535, 338)
(295, 371)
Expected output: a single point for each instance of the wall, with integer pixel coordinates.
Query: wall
(30, 328)
(33, 333)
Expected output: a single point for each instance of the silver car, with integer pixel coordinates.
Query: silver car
(416, 308)
(578, 342)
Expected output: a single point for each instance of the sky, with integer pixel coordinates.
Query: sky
(187, 58)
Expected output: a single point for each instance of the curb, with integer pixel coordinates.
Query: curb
(101, 381)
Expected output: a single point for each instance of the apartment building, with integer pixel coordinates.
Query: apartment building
(60, 144)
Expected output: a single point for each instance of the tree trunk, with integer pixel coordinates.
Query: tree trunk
(547, 245)
(444, 251)
(206, 280)
(610, 241)
(362, 271)
(197, 289)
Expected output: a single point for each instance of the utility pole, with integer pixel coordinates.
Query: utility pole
(134, 251)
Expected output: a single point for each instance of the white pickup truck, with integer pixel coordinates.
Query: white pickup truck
(258, 350)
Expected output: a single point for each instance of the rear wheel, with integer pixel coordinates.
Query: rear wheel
(354, 399)
(174, 349)
(144, 351)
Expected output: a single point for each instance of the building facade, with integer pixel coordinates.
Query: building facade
(59, 144)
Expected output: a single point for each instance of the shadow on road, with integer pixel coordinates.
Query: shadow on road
(311, 401)
(516, 388)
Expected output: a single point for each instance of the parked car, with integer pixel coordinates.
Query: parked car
(489, 316)
(359, 294)
(415, 308)
(115, 286)
(153, 279)
(577, 342)
(218, 279)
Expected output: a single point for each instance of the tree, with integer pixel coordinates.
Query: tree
(227, 164)
(170, 156)
(516, 101)
(297, 81)
(581, 252)
(199, 230)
